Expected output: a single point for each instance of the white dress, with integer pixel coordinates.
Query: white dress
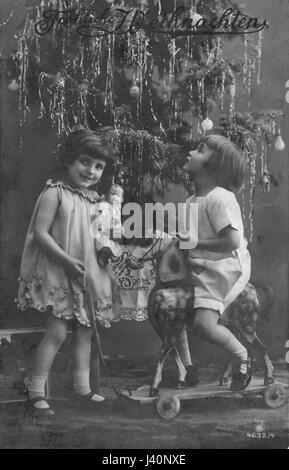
(218, 277)
(43, 283)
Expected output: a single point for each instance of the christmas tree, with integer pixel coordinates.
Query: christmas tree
(149, 74)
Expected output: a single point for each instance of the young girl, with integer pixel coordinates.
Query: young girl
(59, 250)
(220, 262)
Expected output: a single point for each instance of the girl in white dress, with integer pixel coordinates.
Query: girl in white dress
(60, 249)
(221, 263)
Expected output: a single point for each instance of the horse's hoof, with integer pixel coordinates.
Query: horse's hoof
(181, 384)
(269, 380)
(154, 392)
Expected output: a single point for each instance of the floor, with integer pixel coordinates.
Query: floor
(202, 423)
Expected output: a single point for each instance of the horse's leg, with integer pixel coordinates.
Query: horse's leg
(224, 377)
(154, 389)
(181, 368)
(269, 369)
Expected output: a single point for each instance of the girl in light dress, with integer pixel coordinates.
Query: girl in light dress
(62, 247)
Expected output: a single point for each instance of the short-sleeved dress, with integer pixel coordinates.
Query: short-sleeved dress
(44, 285)
(218, 277)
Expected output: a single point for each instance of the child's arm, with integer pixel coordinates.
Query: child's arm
(228, 240)
(47, 209)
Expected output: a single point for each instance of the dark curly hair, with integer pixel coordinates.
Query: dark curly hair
(85, 141)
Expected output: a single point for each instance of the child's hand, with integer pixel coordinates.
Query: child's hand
(74, 268)
(103, 256)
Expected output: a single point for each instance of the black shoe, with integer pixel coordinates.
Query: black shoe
(240, 381)
(193, 377)
(33, 410)
(86, 400)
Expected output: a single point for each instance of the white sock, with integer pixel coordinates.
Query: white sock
(36, 388)
(244, 368)
(81, 384)
(235, 347)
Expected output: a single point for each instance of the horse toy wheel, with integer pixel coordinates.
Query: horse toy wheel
(168, 407)
(275, 396)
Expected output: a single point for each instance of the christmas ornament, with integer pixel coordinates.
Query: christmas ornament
(83, 87)
(265, 181)
(134, 91)
(279, 143)
(195, 17)
(59, 80)
(160, 89)
(14, 85)
(207, 124)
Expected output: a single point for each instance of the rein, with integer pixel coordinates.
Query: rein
(145, 256)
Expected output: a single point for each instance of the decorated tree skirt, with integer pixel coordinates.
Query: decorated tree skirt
(135, 285)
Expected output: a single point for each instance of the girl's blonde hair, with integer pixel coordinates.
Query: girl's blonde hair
(228, 162)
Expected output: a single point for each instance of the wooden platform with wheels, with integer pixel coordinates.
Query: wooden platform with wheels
(168, 403)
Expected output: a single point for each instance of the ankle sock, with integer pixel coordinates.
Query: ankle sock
(238, 350)
(244, 368)
(36, 388)
(81, 381)
(81, 384)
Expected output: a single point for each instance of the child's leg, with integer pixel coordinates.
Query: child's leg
(55, 335)
(81, 350)
(207, 327)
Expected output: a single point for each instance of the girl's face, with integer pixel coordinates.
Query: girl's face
(197, 159)
(85, 171)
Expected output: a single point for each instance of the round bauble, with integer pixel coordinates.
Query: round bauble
(134, 91)
(14, 85)
(207, 124)
(279, 143)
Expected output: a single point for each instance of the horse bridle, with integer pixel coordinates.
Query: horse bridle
(145, 256)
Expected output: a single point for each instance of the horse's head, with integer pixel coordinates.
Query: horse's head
(170, 260)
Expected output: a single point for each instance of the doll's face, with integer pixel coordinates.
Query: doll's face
(85, 171)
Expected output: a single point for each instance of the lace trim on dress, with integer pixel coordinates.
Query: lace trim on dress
(134, 313)
(91, 196)
(57, 295)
